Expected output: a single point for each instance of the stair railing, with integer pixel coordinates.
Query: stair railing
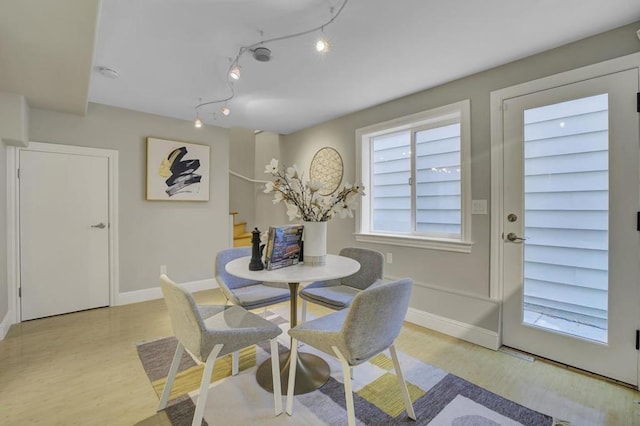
(232, 214)
(231, 172)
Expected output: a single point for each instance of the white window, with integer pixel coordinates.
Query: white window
(417, 180)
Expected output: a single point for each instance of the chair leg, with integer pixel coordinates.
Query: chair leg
(303, 315)
(177, 356)
(348, 393)
(264, 313)
(204, 385)
(403, 385)
(235, 363)
(275, 373)
(292, 375)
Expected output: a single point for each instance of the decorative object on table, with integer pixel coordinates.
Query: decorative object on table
(283, 246)
(304, 201)
(177, 171)
(315, 233)
(326, 167)
(256, 257)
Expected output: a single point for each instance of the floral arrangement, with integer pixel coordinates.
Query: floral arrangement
(302, 198)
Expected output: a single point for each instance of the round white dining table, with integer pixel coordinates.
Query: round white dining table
(311, 371)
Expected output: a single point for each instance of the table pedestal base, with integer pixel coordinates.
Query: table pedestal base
(311, 373)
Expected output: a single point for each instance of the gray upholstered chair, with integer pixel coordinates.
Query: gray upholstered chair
(355, 335)
(337, 294)
(211, 331)
(246, 293)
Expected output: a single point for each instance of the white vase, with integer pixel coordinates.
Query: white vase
(315, 243)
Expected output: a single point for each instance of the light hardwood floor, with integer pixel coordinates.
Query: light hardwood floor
(82, 369)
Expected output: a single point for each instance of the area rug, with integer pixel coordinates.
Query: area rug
(439, 398)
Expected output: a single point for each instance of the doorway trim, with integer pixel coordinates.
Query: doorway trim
(496, 278)
(13, 218)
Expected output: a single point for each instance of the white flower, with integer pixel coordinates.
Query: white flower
(351, 200)
(303, 199)
(315, 186)
(272, 168)
(292, 211)
(292, 172)
(268, 187)
(277, 197)
(343, 210)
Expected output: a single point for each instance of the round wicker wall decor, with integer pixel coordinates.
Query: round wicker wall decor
(326, 167)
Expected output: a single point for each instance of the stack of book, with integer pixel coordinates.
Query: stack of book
(283, 246)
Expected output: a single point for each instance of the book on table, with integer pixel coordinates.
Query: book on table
(283, 246)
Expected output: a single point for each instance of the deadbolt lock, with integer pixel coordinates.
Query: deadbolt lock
(512, 217)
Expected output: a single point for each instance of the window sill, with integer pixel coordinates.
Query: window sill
(442, 244)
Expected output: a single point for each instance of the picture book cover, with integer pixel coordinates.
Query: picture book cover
(283, 246)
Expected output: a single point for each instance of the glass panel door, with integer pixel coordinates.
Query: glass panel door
(566, 211)
(570, 246)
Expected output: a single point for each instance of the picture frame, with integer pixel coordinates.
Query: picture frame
(177, 171)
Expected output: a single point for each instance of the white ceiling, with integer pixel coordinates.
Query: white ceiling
(173, 53)
(46, 51)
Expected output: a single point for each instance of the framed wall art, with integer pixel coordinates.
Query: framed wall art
(177, 171)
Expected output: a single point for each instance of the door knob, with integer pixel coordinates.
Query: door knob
(100, 226)
(512, 236)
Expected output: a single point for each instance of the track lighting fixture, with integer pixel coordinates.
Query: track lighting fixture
(235, 73)
(263, 54)
(322, 45)
(197, 123)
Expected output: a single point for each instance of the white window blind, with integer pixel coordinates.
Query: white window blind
(566, 210)
(416, 173)
(438, 184)
(391, 189)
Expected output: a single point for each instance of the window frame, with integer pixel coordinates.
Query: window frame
(435, 117)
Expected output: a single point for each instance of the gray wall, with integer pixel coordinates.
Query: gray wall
(185, 236)
(267, 214)
(4, 302)
(241, 160)
(14, 117)
(451, 285)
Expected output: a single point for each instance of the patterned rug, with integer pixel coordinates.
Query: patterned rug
(439, 398)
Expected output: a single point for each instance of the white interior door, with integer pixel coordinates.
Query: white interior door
(571, 248)
(64, 235)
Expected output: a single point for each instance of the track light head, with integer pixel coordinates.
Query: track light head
(197, 123)
(322, 45)
(234, 73)
(225, 110)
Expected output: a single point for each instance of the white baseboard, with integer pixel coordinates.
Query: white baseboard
(155, 292)
(470, 333)
(4, 325)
